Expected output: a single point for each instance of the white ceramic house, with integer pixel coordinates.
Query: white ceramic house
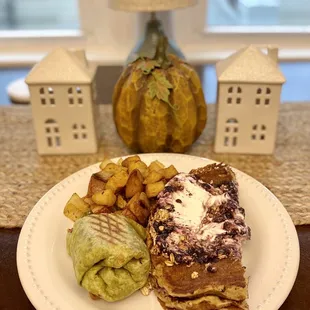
(63, 99)
(248, 99)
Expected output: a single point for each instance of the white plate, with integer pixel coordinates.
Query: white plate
(46, 272)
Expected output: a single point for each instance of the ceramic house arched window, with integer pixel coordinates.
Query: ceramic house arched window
(52, 133)
(231, 132)
(263, 96)
(75, 95)
(234, 95)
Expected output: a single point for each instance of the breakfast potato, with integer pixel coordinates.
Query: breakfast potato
(144, 201)
(114, 168)
(120, 161)
(104, 163)
(155, 166)
(134, 184)
(140, 165)
(152, 190)
(139, 211)
(154, 176)
(117, 181)
(76, 208)
(96, 209)
(105, 198)
(170, 172)
(88, 200)
(128, 213)
(95, 185)
(103, 175)
(131, 159)
(121, 202)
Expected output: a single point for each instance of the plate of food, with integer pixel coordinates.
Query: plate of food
(158, 231)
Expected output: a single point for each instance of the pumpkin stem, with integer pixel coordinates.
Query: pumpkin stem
(160, 55)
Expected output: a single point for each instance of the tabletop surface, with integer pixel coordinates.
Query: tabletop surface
(25, 177)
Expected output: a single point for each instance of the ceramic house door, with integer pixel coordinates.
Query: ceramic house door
(52, 134)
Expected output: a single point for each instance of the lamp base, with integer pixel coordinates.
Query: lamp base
(146, 47)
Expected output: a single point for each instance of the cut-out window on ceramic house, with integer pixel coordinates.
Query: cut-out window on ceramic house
(234, 95)
(50, 95)
(42, 96)
(75, 95)
(231, 132)
(52, 133)
(258, 132)
(79, 132)
(263, 96)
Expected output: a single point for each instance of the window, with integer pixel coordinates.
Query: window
(258, 132)
(31, 28)
(79, 132)
(241, 22)
(52, 133)
(75, 95)
(47, 95)
(263, 96)
(234, 95)
(231, 132)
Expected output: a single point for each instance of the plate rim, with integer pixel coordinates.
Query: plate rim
(35, 294)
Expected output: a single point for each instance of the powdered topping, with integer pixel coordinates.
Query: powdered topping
(197, 221)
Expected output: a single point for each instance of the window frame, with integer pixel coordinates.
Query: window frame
(103, 45)
(202, 43)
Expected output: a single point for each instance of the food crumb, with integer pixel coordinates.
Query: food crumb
(161, 228)
(195, 275)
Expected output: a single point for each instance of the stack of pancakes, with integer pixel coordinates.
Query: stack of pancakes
(196, 262)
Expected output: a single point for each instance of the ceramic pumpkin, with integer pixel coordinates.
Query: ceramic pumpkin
(159, 105)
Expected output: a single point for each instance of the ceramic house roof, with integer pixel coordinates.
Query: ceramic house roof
(249, 65)
(61, 67)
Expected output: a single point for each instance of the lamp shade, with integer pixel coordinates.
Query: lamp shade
(149, 5)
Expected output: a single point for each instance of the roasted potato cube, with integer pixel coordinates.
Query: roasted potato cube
(95, 185)
(120, 161)
(152, 190)
(170, 172)
(140, 165)
(88, 200)
(154, 176)
(155, 166)
(128, 213)
(144, 200)
(139, 211)
(76, 208)
(104, 163)
(105, 198)
(121, 202)
(130, 159)
(96, 209)
(117, 181)
(114, 168)
(134, 184)
(103, 175)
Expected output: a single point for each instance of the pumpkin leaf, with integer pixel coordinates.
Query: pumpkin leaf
(160, 87)
(148, 65)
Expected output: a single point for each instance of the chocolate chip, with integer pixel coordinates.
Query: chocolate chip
(179, 201)
(212, 269)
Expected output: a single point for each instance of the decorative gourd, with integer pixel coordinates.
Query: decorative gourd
(159, 104)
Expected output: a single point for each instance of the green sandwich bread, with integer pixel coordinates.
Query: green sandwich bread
(110, 258)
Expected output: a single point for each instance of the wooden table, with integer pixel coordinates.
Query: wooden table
(12, 296)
